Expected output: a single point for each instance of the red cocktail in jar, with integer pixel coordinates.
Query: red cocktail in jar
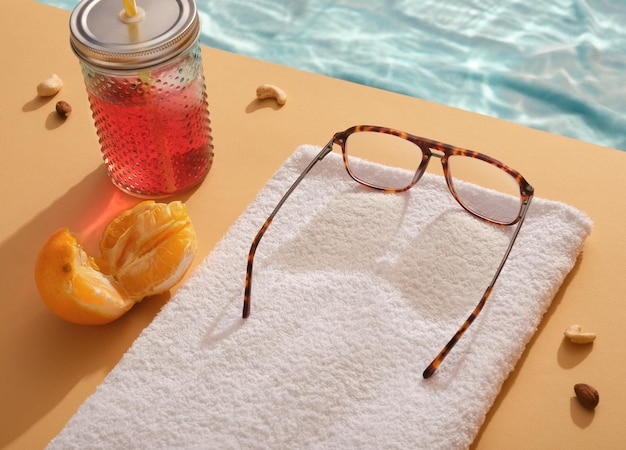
(146, 89)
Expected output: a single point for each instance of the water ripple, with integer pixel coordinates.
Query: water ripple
(556, 66)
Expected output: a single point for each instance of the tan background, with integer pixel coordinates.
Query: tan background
(51, 175)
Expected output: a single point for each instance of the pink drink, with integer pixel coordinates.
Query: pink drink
(155, 134)
(143, 74)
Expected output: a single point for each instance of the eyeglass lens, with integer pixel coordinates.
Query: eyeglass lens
(387, 151)
(481, 187)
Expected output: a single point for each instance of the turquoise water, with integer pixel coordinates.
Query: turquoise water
(557, 66)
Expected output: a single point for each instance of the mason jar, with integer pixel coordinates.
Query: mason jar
(145, 84)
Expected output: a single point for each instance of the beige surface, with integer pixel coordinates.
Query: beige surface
(51, 175)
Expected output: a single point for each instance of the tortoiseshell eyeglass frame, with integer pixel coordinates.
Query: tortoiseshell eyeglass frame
(429, 149)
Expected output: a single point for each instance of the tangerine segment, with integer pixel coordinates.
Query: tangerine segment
(148, 248)
(72, 286)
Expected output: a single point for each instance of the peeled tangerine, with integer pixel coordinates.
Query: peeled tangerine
(145, 251)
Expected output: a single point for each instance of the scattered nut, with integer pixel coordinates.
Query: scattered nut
(50, 86)
(63, 109)
(271, 91)
(587, 395)
(575, 334)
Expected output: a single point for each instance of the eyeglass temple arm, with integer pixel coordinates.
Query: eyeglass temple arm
(255, 243)
(432, 367)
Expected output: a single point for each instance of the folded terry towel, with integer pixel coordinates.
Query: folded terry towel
(355, 291)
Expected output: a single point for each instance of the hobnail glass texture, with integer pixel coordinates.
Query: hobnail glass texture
(153, 125)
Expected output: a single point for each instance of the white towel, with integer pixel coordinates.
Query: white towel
(354, 292)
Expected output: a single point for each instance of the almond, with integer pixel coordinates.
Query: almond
(63, 109)
(587, 395)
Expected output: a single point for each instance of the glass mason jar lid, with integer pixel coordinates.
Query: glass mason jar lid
(102, 34)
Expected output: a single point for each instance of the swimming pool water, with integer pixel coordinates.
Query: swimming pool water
(557, 66)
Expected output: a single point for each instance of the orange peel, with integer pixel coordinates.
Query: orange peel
(72, 285)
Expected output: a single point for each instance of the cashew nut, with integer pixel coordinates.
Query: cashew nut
(575, 334)
(271, 91)
(50, 86)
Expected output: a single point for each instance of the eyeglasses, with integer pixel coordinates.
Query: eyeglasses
(483, 186)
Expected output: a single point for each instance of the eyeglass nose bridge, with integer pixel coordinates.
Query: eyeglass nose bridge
(427, 153)
(443, 156)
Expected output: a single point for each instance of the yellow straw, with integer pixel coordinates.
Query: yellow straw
(130, 7)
